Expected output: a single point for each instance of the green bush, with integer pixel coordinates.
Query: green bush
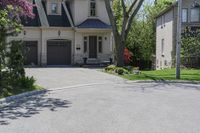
(110, 68)
(120, 71)
(25, 83)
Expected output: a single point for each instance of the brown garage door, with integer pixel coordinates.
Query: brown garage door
(31, 52)
(58, 52)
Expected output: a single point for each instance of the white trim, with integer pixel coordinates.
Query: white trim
(92, 30)
(41, 13)
(68, 15)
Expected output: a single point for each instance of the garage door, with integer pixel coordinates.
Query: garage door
(31, 52)
(58, 52)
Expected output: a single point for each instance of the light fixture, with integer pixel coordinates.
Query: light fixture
(59, 33)
(24, 32)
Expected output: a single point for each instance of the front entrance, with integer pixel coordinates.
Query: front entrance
(92, 46)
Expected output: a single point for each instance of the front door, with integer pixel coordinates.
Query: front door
(92, 46)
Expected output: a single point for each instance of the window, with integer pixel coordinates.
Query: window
(54, 8)
(195, 15)
(162, 21)
(92, 8)
(100, 44)
(162, 46)
(184, 15)
(85, 44)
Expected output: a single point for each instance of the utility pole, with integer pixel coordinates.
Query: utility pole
(178, 42)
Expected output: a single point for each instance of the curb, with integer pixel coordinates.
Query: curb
(163, 81)
(19, 96)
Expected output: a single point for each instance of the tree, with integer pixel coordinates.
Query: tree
(11, 67)
(142, 36)
(121, 34)
(190, 51)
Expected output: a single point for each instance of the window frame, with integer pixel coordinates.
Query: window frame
(85, 44)
(95, 9)
(57, 8)
(191, 15)
(100, 44)
(187, 14)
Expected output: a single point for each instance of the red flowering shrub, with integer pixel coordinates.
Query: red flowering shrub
(127, 56)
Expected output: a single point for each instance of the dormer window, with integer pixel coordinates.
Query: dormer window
(54, 8)
(92, 8)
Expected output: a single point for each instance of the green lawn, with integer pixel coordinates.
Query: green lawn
(167, 74)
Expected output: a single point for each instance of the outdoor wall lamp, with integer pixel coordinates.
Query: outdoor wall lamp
(59, 33)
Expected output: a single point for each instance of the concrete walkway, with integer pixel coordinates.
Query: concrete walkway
(88, 101)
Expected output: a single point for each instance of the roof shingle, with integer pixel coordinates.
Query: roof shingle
(94, 23)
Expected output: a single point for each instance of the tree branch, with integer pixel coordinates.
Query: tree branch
(134, 11)
(131, 7)
(111, 17)
(123, 7)
(125, 19)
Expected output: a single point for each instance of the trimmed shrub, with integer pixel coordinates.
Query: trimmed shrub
(120, 71)
(110, 68)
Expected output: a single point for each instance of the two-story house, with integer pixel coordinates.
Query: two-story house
(64, 32)
(166, 30)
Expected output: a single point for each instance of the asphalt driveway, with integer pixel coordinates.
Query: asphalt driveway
(64, 77)
(89, 101)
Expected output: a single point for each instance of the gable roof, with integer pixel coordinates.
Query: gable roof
(53, 20)
(167, 9)
(94, 23)
(57, 20)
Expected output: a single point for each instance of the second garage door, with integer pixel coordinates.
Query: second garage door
(58, 52)
(30, 52)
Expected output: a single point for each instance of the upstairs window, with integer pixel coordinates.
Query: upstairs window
(92, 8)
(195, 14)
(54, 8)
(184, 15)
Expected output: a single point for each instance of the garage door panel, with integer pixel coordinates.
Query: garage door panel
(58, 53)
(31, 52)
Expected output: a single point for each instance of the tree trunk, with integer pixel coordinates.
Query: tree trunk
(119, 54)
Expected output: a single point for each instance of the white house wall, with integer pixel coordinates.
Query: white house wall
(164, 31)
(80, 11)
(42, 35)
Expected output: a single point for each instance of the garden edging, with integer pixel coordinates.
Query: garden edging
(19, 96)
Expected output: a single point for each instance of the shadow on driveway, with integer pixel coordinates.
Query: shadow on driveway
(30, 106)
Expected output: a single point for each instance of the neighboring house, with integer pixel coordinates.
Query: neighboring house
(166, 29)
(64, 32)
